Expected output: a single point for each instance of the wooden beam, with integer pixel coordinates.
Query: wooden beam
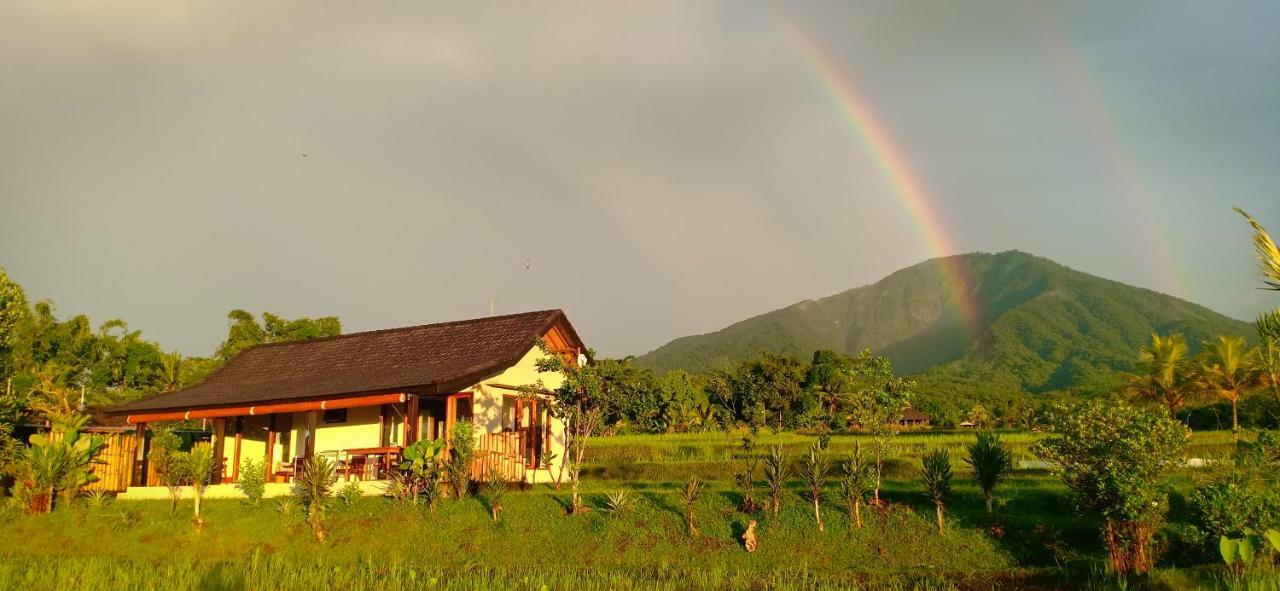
(265, 409)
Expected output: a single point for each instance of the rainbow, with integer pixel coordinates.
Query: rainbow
(1121, 167)
(896, 167)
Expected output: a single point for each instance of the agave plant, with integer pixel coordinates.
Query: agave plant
(618, 501)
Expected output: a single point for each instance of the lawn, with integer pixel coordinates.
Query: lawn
(376, 543)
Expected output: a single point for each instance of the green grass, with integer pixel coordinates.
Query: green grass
(1035, 542)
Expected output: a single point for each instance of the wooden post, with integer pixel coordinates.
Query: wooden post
(411, 420)
(309, 449)
(271, 449)
(235, 465)
(219, 446)
(144, 450)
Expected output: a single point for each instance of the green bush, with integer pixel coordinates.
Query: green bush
(252, 479)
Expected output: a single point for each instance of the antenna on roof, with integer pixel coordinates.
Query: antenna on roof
(491, 303)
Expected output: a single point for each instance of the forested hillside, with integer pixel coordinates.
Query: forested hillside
(1041, 327)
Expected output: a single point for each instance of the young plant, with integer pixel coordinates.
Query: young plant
(691, 492)
(351, 493)
(746, 479)
(495, 488)
(856, 479)
(196, 467)
(813, 470)
(462, 446)
(418, 475)
(314, 486)
(777, 469)
(618, 502)
(936, 471)
(991, 463)
(164, 447)
(253, 480)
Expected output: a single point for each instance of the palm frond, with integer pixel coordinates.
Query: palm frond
(1267, 251)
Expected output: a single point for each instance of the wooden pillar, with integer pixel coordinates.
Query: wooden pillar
(383, 440)
(235, 461)
(411, 420)
(271, 448)
(309, 448)
(144, 449)
(220, 446)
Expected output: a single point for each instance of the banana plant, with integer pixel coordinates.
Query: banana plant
(57, 466)
(1241, 551)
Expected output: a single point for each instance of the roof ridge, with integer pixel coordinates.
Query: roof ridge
(396, 329)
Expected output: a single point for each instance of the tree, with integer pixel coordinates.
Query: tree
(1111, 456)
(245, 331)
(856, 479)
(15, 317)
(1164, 373)
(991, 463)
(875, 407)
(196, 467)
(1227, 370)
(581, 403)
(936, 473)
(813, 470)
(462, 448)
(1268, 364)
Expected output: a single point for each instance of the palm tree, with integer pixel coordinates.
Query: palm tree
(777, 469)
(197, 466)
(1267, 251)
(1228, 370)
(991, 463)
(691, 492)
(1164, 373)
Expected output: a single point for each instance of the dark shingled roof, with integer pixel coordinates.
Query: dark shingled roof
(432, 357)
(912, 414)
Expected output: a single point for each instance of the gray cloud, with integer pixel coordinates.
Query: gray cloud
(668, 166)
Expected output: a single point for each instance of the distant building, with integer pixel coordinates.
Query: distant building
(913, 419)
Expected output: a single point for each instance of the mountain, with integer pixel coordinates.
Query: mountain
(1038, 326)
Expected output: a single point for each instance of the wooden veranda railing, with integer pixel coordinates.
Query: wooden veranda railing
(503, 452)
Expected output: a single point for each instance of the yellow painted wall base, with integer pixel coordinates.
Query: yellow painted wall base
(229, 491)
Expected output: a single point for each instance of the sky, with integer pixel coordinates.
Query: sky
(665, 167)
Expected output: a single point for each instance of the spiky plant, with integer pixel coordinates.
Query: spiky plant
(691, 492)
(857, 477)
(618, 502)
(495, 488)
(991, 463)
(314, 486)
(813, 470)
(936, 472)
(777, 469)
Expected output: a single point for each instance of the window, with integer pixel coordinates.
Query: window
(338, 415)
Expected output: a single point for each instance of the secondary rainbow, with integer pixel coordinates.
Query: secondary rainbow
(908, 186)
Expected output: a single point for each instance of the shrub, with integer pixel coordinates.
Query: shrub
(164, 444)
(196, 467)
(1111, 456)
(462, 447)
(252, 479)
(351, 493)
(417, 478)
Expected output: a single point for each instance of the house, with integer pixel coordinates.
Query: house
(360, 398)
(912, 418)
